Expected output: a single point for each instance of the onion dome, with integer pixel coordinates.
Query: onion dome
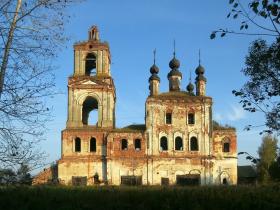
(154, 69)
(190, 87)
(199, 70)
(154, 76)
(174, 63)
(174, 72)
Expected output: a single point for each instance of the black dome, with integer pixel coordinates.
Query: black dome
(190, 87)
(174, 72)
(154, 77)
(174, 63)
(154, 69)
(200, 70)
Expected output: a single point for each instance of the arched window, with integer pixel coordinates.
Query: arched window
(178, 143)
(226, 145)
(124, 144)
(194, 144)
(90, 111)
(77, 144)
(90, 65)
(225, 181)
(163, 144)
(92, 146)
(137, 144)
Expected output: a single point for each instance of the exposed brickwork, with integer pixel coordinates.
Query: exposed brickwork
(113, 159)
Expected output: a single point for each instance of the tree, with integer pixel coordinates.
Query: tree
(263, 16)
(23, 175)
(267, 154)
(7, 177)
(31, 34)
(274, 170)
(262, 67)
(261, 92)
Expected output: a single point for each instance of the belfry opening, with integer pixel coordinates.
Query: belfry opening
(90, 111)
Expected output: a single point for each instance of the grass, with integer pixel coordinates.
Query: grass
(144, 198)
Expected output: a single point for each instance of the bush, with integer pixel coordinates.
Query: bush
(144, 198)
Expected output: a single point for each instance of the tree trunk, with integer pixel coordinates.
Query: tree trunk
(8, 45)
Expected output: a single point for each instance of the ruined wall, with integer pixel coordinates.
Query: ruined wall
(125, 162)
(226, 162)
(85, 162)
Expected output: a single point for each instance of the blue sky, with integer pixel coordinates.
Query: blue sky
(134, 29)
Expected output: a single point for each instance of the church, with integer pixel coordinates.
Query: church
(179, 144)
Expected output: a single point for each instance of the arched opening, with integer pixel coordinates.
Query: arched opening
(137, 144)
(178, 143)
(163, 144)
(92, 145)
(77, 144)
(90, 111)
(124, 144)
(90, 65)
(225, 181)
(194, 144)
(226, 145)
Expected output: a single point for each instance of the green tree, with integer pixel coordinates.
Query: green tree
(23, 175)
(7, 177)
(274, 170)
(267, 154)
(262, 67)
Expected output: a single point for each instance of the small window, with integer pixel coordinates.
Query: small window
(92, 145)
(124, 144)
(137, 144)
(164, 181)
(191, 119)
(194, 144)
(77, 144)
(226, 147)
(168, 118)
(163, 144)
(178, 143)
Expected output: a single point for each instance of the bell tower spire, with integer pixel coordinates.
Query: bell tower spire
(174, 76)
(91, 90)
(200, 80)
(154, 79)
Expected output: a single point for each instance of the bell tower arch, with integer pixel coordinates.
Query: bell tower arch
(91, 88)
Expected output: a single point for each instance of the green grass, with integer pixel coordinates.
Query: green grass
(142, 198)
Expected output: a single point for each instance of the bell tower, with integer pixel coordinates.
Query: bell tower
(91, 90)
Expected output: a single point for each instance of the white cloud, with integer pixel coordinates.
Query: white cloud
(237, 113)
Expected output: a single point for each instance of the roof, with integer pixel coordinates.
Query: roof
(246, 172)
(131, 128)
(179, 95)
(218, 127)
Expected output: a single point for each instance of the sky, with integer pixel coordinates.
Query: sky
(134, 29)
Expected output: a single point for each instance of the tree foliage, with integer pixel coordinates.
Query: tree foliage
(20, 177)
(262, 66)
(268, 154)
(261, 92)
(260, 15)
(31, 33)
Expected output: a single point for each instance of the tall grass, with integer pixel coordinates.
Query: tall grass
(142, 198)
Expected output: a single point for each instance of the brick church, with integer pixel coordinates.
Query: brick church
(178, 144)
